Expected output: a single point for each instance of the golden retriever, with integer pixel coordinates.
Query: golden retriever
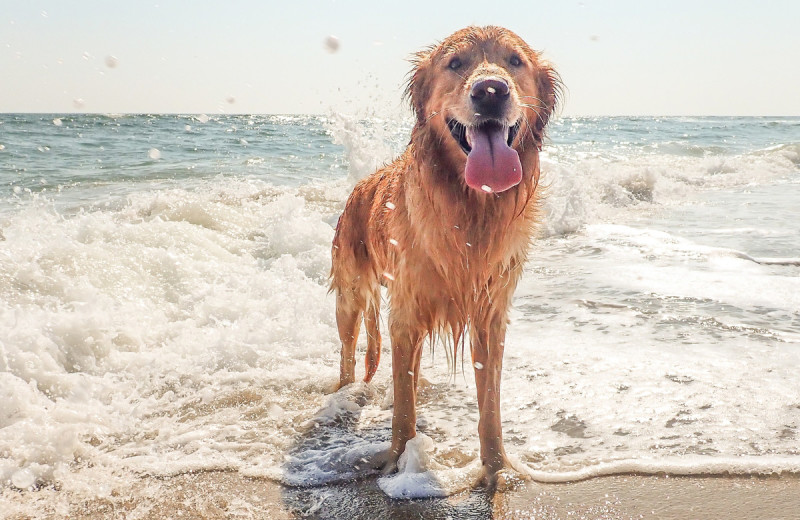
(446, 227)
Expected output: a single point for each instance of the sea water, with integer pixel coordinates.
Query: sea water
(164, 305)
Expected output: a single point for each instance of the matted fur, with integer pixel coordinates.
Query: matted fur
(450, 256)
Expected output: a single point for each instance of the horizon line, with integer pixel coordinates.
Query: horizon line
(310, 114)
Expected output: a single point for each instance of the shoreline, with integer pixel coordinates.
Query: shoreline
(221, 494)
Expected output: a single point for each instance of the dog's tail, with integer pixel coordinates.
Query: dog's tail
(372, 323)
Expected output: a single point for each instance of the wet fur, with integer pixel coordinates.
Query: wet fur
(450, 256)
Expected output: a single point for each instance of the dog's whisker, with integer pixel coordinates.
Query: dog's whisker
(542, 106)
(538, 114)
(534, 97)
(531, 105)
(433, 114)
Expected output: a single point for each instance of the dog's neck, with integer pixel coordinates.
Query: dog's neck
(495, 228)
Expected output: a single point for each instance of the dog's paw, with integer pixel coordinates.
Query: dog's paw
(389, 466)
(384, 462)
(338, 385)
(332, 387)
(505, 479)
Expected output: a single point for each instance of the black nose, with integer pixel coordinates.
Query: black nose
(489, 96)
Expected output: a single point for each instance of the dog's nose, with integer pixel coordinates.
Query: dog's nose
(489, 95)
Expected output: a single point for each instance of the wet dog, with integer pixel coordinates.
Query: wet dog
(446, 227)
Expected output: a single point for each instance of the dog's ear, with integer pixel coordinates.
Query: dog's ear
(418, 84)
(549, 85)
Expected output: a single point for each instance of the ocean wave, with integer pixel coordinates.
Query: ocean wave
(173, 302)
(790, 151)
(578, 192)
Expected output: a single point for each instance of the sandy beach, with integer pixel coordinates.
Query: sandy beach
(218, 495)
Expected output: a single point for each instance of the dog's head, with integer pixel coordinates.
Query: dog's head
(486, 96)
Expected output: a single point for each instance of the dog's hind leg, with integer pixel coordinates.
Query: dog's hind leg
(348, 321)
(372, 322)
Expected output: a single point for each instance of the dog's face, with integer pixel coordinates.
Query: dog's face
(486, 96)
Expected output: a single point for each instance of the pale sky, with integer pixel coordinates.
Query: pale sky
(245, 56)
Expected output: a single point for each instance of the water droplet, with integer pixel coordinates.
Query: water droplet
(490, 90)
(230, 99)
(57, 121)
(469, 245)
(388, 276)
(393, 241)
(202, 118)
(188, 128)
(332, 44)
(111, 62)
(154, 153)
(411, 373)
(78, 103)
(390, 205)
(479, 366)
(486, 188)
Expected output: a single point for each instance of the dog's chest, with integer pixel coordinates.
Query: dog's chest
(459, 259)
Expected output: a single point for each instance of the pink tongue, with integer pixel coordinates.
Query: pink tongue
(492, 165)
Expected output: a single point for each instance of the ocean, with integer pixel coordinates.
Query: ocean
(164, 304)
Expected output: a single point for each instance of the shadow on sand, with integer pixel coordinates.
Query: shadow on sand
(363, 499)
(329, 476)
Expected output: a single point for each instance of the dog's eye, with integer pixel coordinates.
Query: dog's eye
(454, 64)
(515, 61)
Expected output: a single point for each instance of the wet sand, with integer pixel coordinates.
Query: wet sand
(218, 495)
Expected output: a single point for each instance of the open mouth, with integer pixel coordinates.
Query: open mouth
(459, 132)
(492, 164)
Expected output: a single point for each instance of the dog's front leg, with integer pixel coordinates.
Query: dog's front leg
(406, 352)
(487, 343)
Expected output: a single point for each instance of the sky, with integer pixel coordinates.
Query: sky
(700, 57)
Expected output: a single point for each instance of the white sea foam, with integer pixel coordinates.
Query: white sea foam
(582, 190)
(419, 475)
(137, 337)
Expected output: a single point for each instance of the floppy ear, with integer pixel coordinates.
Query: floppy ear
(418, 86)
(549, 85)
